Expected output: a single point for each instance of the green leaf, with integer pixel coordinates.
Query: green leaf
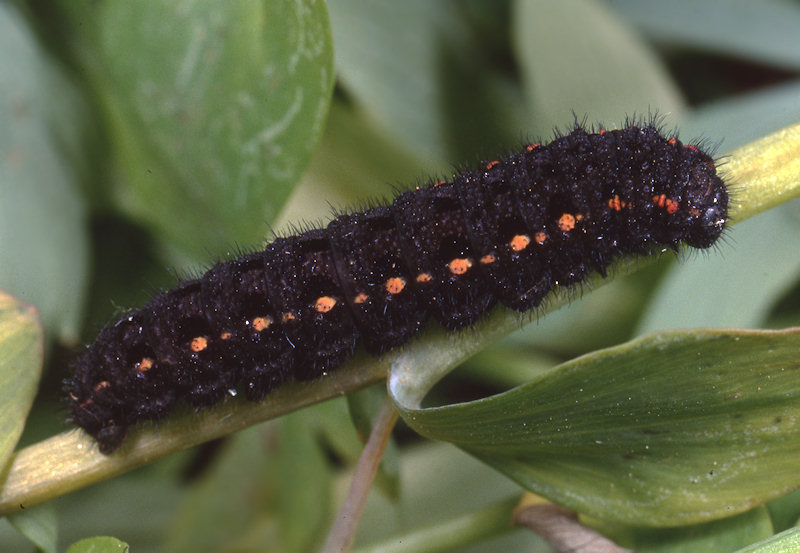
(21, 355)
(225, 499)
(99, 545)
(764, 31)
(674, 428)
(679, 299)
(216, 106)
(780, 543)
(412, 77)
(39, 525)
(595, 47)
(785, 511)
(720, 536)
(743, 118)
(138, 507)
(43, 238)
(354, 163)
(303, 488)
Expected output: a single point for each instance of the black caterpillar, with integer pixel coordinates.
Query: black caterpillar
(510, 231)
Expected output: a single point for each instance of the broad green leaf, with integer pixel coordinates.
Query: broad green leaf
(602, 318)
(39, 525)
(102, 544)
(225, 499)
(764, 31)
(725, 535)
(21, 354)
(785, 511)
(601, 68)
(781, 543)
(138, 507)
(758, 113)
(43, 238)
(303, 488)
(754, 268)
(396, 79)
(674, 428)
(417, 78)
(214, 110)
(354, 163)
(331, 424)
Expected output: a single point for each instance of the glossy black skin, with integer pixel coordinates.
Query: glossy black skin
(629, 190)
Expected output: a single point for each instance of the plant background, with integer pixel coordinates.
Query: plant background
(421, 88)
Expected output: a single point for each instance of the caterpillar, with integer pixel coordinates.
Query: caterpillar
(509, 231)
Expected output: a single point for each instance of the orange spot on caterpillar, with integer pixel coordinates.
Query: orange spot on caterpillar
(532, 147)
(492, 165)
(519, 242)
(672, 206)
(488, 259)
(261, 323)
(566, 222)
(198, 344)
(395, 285)
(103, 384)
(669, 204)
(439, 183)
(324, 304)
(616, 203)
(360, 298)
(288, 316)
(145, 364)
(540, 237)
(691, 147)
(460, 265)
(694, 212)
(422, 278)
(225, 335)
(672, 141)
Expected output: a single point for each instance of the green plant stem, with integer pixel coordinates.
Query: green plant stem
(71, 460)
(764, 173)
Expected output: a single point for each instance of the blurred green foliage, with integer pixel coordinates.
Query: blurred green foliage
(141, 136)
